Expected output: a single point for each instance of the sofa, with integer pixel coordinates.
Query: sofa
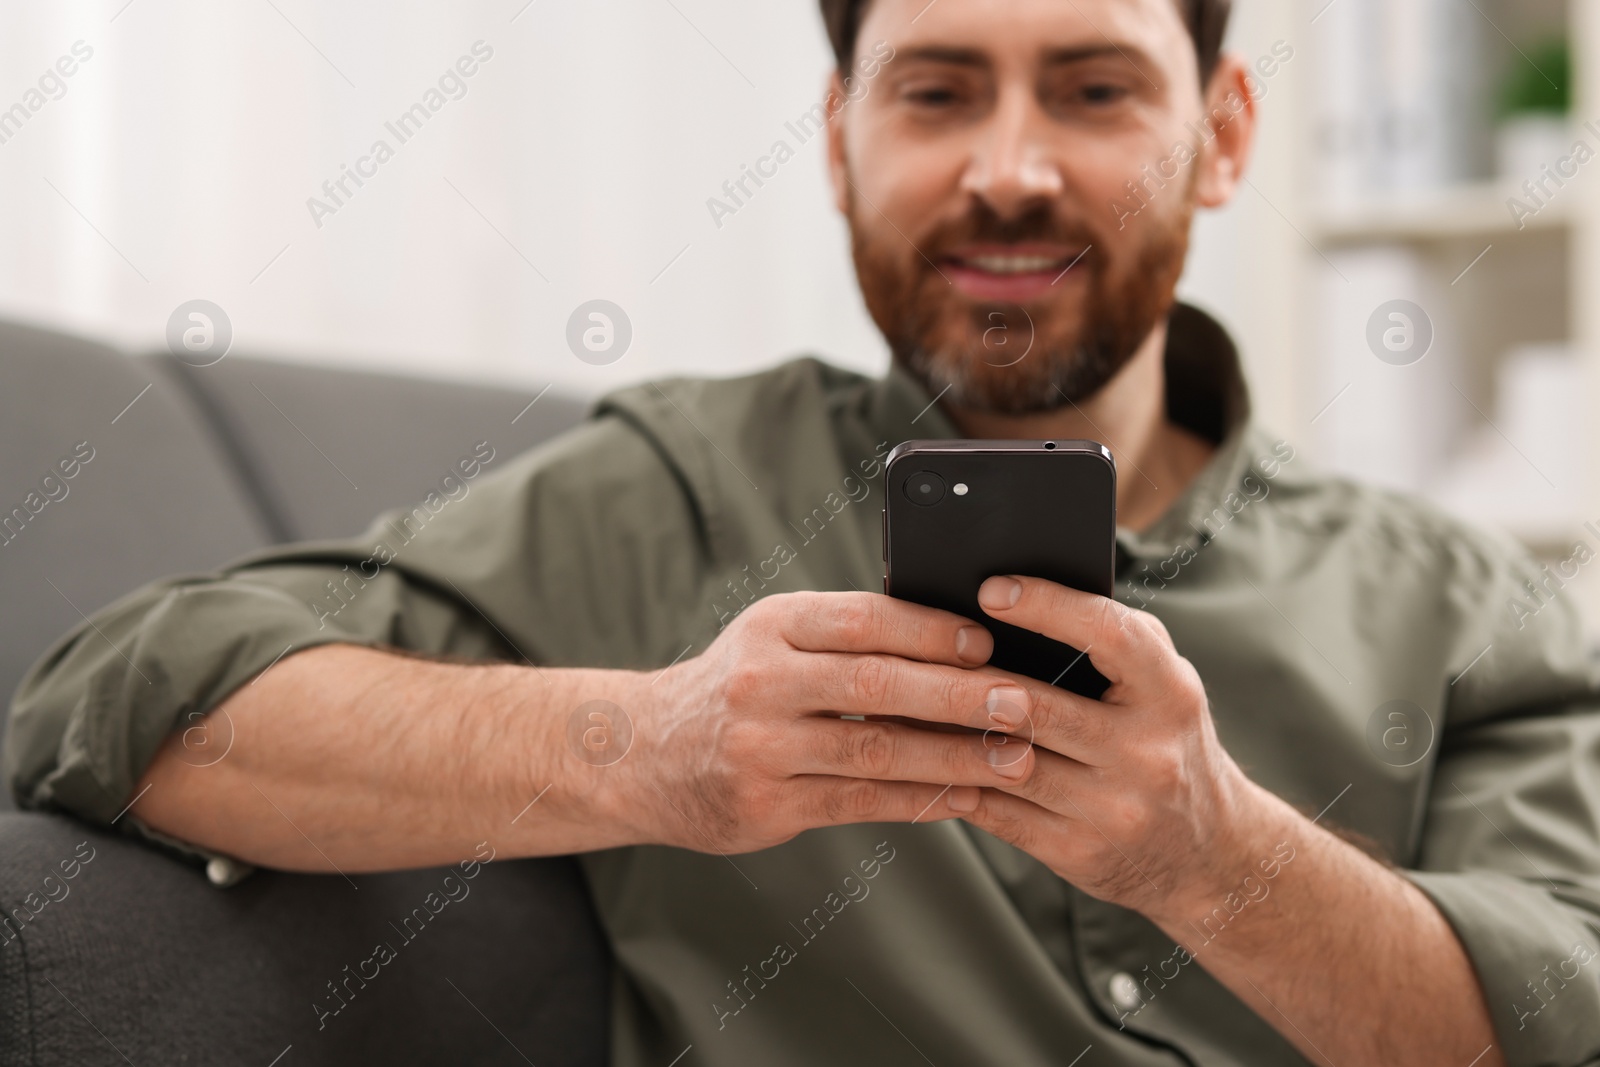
(114, 951)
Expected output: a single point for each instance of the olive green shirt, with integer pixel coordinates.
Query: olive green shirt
(1368, 659)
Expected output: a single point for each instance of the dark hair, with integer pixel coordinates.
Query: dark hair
(1207, 21)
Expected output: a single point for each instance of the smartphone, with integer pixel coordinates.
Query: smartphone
(958, 512)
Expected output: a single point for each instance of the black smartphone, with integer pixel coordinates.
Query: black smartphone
(958, 512)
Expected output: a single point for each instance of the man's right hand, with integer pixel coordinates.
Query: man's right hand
(343, 758)
(743, 747)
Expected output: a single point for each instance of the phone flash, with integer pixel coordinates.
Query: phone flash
(961, 489)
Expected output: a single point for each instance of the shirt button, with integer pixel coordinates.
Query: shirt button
(220, 871)
(1125, 991)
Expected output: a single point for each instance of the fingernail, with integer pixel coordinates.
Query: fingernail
(999, 593)
(1007, 706)
(1009, 760)
(973, 644)
(962, 799)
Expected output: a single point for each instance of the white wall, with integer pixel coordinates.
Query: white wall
(590, 142)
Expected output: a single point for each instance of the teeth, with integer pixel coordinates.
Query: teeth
(1013, 264)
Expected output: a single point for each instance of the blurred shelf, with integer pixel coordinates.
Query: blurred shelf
(1547, 537)
(1542, 281)
(1478, 210)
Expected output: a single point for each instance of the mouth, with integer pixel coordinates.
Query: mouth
(1012, 273)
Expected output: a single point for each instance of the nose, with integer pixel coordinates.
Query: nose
(1012, 168)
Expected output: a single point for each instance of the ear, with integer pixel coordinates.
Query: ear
(1230, 120)
(833, 99)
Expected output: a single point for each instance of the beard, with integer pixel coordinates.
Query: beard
(1006, 358)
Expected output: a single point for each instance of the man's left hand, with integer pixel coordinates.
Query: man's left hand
(1131, 798)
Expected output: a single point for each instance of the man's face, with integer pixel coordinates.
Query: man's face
(985, 177)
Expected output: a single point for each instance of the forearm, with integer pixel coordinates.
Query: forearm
(347, 758)
(1346, 958)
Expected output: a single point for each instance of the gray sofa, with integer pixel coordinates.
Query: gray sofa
(135, 957)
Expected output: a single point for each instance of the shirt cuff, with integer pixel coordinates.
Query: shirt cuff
(1537, 957)
(222, 871)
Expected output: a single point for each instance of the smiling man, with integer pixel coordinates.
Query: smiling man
(1228, 859)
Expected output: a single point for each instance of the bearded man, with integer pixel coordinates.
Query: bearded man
(662, 626)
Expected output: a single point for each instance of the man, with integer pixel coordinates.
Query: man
(676, 600)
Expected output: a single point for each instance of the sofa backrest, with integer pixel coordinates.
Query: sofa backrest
(325, 450)
(178, 469)
(108, 479)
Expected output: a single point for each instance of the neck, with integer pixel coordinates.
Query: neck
(1156, 459)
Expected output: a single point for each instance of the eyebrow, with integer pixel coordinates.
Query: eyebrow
(972, 57)
(1130, 52)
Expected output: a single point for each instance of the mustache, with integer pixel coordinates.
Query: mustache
(983, 225)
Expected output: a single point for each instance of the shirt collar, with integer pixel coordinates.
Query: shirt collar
(1206, 394)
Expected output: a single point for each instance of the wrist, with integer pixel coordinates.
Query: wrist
(572, 784)
(603, 760)
(1258, 834)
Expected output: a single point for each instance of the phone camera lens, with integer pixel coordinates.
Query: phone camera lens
(925, 488)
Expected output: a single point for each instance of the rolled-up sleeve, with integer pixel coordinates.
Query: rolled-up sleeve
(565, 556)
(91, 714)
(1511, 854)
(1511, 863)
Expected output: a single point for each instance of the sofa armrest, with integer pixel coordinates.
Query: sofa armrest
(112, 951)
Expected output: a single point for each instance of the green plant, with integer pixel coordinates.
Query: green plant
(1542, 83)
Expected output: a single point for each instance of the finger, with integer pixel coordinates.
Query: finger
(876, 684)
(986, 700)
(871, 622)
(1035, 830)
(1124, 644)
(926, 724)
(890, 752)
(1057, 784)
(1075, 726)
(823, 800)
(1065, 843)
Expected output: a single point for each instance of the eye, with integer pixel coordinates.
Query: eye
(1098, 90)
(1103, 93)
(931, 96)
